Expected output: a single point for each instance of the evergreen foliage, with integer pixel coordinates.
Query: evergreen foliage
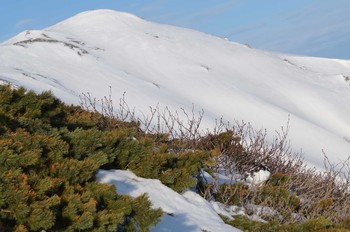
(177, 171)
(49, 154)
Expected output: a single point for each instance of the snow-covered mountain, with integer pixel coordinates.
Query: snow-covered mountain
(177, 67)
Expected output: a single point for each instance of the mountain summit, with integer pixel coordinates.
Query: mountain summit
(177, 67)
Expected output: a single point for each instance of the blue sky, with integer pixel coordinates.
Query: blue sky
(306, 27)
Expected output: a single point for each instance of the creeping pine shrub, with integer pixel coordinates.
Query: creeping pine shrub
(176, 170)
(49, 154)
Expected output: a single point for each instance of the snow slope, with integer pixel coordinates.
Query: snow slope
(176, 67)
(185, 212)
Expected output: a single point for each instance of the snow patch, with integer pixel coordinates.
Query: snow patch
(185, 212)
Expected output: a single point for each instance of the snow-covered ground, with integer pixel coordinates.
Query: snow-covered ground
(184, 212)
(176, 67)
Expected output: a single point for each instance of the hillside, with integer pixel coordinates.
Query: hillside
(176, 67)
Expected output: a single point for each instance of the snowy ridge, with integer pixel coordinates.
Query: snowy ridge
(176, 67)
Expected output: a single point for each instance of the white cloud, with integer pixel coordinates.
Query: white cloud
(24, 22)
(315, 29)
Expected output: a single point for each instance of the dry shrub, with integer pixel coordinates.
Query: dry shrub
(306, 193)
(301, 193)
